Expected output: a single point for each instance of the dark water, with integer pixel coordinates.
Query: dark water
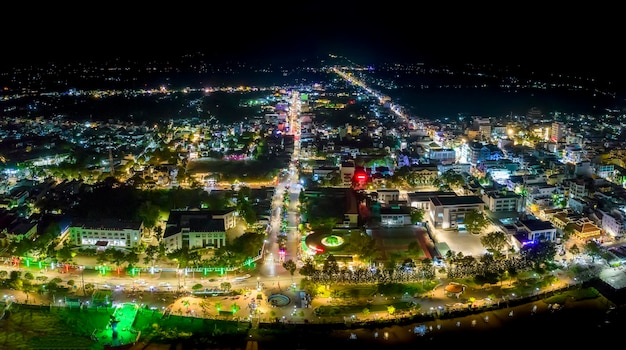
(578, 322)
(565, 327)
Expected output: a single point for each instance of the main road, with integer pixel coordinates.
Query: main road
(271, 270)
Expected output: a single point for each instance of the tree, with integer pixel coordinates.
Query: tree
(539, 252)
(89, 288)
(593, 249)
(475, 221)
(131, 258)
(225, 286)
(29, 276)
(330, 265)
(574, 250)
(102, 258)
(290, 266)
(361, 244)
(494, 241)
(568, 230)
(417, 215)
(118, 257)
(308, 269)
(148, 214)
(181, 256)
(151, 254)
(41, 279)
(65, 254)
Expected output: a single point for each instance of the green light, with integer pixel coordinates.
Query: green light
(234, 308)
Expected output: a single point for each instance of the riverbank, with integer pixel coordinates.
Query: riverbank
(523, 325)
(577, 311)
(538, 322)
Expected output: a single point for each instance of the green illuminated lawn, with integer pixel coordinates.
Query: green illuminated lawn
(124, 333)
(31, 327)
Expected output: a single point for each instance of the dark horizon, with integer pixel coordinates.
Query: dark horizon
(281, 32)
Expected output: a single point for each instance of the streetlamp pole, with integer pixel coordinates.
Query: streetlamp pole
(82, 278)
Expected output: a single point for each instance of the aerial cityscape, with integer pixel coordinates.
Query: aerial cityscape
(258, 204)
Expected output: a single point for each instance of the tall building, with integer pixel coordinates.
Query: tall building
(557, 132)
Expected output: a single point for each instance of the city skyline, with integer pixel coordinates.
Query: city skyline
(552, 147)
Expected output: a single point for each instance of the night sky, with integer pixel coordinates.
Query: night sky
(579, 39)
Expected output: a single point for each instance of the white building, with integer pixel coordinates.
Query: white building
(106, 233)
(194, 229)
(497, 201)
(395, 216)
(613, 223)
(449, 212)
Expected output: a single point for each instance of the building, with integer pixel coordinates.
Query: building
(105, 233)
(15, 229)
(613, 223)
(386, 196)
(195, 229)
(395, 216)
(557, 132)
(534, 230)
(347, 170)
(448, 212)
(440, 155)
(421, 200)
(498, 201)
(424, 174)
(585, 229)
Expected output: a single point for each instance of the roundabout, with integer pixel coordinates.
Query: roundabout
(316, 243)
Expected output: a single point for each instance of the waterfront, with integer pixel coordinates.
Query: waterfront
(562, 314)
